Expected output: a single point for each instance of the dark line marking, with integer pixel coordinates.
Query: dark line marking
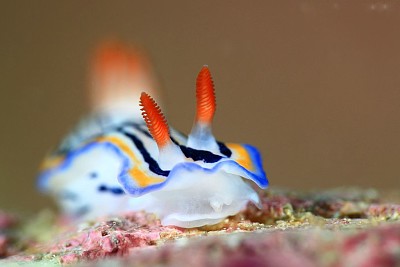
(153, 165)
(196, 155)
(224, 149)
(114, 190)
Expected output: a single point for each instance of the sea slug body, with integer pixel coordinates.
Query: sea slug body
(117, 160)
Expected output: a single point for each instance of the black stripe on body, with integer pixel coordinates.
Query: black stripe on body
(153, 165)
(198, 155)
(224, 149)
(113, 190)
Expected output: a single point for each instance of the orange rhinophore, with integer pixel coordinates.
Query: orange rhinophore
(205, 96)
(155, 120)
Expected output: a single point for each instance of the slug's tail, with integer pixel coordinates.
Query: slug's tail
(118, 76)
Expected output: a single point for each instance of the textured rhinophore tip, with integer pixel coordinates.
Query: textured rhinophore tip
(205, 95)
(155, 120)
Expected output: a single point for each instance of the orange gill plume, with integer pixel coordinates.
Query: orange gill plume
(118, 74)
(114, 55)
(205, 95)
(155, 120)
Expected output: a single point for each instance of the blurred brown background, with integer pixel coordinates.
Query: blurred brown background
(314, 84)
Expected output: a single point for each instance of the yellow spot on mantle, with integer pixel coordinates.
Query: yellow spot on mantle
(241, 156)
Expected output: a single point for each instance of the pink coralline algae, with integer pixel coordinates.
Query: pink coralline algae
(333, 228)
(378, 246)
(3, 245)
(7, 222)
(112, 237)
(389, 211)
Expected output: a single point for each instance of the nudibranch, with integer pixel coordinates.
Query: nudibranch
(114, 162)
